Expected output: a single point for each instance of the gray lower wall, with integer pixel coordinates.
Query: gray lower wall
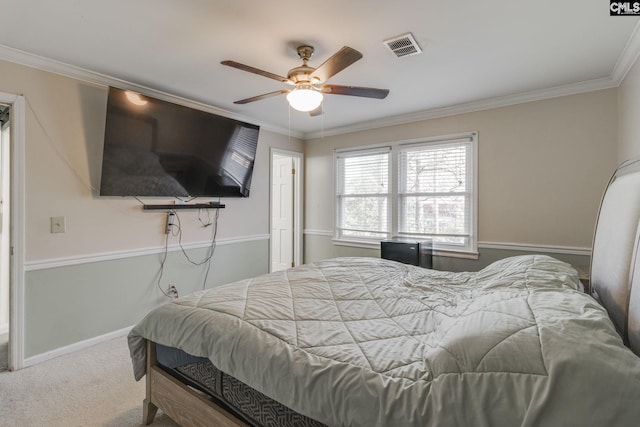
(66, 305)
(317, 247)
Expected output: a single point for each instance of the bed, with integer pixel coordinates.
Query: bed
(371, 342)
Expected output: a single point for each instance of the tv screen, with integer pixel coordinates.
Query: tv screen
(159, 149)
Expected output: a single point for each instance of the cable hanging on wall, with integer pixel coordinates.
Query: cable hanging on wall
(175, 229)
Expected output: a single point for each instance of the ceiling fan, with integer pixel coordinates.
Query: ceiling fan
(307, 82)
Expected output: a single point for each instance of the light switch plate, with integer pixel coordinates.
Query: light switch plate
(58, 224)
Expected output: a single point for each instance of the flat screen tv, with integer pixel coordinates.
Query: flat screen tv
(155, 148)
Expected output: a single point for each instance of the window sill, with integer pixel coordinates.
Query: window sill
(357, 243)
(455, 254)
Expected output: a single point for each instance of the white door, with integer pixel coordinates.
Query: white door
(282, 198)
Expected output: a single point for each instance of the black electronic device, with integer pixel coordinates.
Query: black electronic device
(408, 251)
(155, 148)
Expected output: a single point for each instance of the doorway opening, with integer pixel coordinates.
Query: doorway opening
(286, 209)
(5, 243)
(12, 254)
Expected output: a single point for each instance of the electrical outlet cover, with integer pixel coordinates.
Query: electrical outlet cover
(58, 224)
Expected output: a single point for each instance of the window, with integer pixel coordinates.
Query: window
(363, 194)
(435, 197)
(424, 189)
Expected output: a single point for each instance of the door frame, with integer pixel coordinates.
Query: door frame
(298, 202)
(17, 229)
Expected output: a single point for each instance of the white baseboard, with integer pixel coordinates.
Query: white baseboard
(34, 360)
(4, 328)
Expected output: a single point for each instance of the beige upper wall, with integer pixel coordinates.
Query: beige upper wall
(542, 166)
(64, 136)
(629, 115)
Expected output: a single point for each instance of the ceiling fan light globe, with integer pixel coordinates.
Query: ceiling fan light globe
(304, 99)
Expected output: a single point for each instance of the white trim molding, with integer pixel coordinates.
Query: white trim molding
(628, 58)
(324, 233)
(508, 246)
(625, 61)
(57, 67)
(16, 285)
(550, 249)
(356, 244)
(71, 348)
(109, 256)
(470, 107)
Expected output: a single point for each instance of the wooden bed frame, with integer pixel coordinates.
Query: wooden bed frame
(181, 403)
(615, 266)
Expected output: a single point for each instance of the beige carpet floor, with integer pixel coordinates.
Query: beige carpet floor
(92, 387)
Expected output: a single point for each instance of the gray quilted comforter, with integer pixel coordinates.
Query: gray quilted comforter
(370, 342)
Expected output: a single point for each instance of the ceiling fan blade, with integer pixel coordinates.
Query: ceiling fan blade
(263, 96)
(366, 92)
(317, 111)
(338, 62)
(257, 71)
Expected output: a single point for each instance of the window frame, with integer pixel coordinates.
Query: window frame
(355, 152)
(393, 216)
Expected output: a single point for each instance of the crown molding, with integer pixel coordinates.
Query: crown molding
(470, 107)
(61, 68)
(625, 62)
(628, 57)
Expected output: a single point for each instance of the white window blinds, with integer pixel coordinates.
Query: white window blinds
(363, 194)
(435, 193)
(424, 189)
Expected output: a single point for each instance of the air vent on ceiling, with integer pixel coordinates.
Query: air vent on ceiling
(404, 45)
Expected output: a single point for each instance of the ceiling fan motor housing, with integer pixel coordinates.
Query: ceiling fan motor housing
(302, 74)
(305, 52)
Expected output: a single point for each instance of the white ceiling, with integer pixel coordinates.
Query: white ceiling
(473, 51)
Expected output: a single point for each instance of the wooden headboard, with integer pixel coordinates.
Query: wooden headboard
(615, 261)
